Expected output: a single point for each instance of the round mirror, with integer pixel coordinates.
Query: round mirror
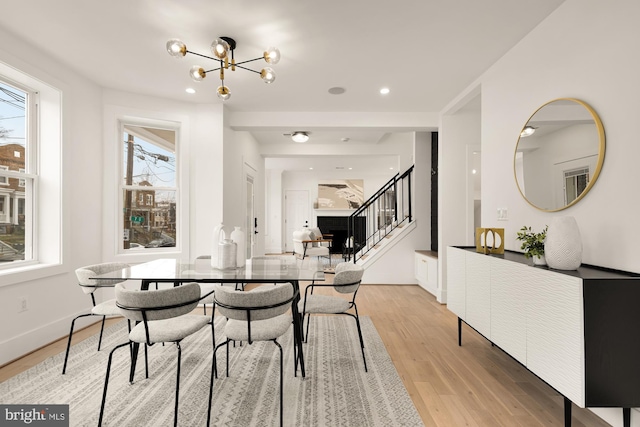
(559, 154)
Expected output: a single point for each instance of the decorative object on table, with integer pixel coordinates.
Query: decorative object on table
(227, 253)
(222, 48)
(533, 244)
(563, 247)
(218, 236)
(237, 235)
(490, 240)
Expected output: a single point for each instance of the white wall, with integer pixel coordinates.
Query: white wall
(591, 63)
(47, 317)
(460, 132)
(583, 50)
(242, 157)
(402, 255)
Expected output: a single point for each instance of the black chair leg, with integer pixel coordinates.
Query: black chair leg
(101, 331)
(213, 372)
(364, 359)
(281, 384)
(306, 337)
(175, 417)
(66, 356)
(106, 382)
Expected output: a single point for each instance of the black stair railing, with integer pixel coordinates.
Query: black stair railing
(389, 208)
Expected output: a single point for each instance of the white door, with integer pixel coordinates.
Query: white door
(296, 214)
(250, 224)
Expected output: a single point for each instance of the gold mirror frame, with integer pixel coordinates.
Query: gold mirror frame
(598, 166)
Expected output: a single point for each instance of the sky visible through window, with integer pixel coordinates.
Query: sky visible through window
(12, 115)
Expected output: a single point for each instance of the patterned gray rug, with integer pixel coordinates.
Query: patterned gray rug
(335, 392)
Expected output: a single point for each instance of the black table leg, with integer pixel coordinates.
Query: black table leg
(567, 412)
(297, 328)
(459, 332)
(626, 417)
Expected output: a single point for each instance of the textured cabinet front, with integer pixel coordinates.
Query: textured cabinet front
(478, 292)
(555, 335)
(510, 287)
(456, 282)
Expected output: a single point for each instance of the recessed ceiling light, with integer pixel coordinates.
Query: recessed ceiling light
(473, 171)
(310, 169)
(384, 90)
(345, 139)
(337, 90)
(390, 169)
(350, 168)
(190, 90)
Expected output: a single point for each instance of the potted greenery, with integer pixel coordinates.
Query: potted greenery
(533, 244)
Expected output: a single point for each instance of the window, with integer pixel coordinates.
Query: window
(3, 179)
(148, 168)
(31, 128)
(575, 182)
(16, 184)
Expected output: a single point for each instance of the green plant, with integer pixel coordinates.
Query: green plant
(532, 243)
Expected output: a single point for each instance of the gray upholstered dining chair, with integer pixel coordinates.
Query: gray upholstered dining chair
(162, 316)
(346, 281)
(261, 314)
(89, 286)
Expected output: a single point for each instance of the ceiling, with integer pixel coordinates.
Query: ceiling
(425, 51)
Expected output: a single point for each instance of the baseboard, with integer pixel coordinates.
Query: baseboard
(30, 341)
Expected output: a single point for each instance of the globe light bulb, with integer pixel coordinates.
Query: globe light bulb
(197, 73)
(176, 48)
(272, 55)
(219, 48)
(223, 93)
(268, 75)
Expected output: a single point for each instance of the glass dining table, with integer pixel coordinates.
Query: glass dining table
(267, 270)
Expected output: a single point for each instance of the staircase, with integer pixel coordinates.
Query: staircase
(381, 219)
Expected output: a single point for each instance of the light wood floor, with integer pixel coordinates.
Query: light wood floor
(472, 385)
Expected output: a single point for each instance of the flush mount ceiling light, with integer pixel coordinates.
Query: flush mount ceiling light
(527, 131)
(299, 136)
(221, 49)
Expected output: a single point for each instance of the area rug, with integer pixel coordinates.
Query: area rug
(336, 391)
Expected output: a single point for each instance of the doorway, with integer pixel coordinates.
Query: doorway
(250, 223)
(296, 214)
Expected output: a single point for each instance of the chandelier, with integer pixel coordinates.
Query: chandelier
(222, 48)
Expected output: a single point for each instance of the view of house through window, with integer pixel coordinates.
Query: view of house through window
(149, 187)
(15, 185)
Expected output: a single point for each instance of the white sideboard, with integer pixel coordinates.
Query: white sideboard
(573, 329)
(426, 270)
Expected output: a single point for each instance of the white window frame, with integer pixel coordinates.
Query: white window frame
(113, 241)
(44, 210)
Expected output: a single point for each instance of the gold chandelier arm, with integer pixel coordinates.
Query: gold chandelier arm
(249, 60)
(248, 69)
(201, 55)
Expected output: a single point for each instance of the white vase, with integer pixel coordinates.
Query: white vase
(563, 245)
(217, 237)
(226, 255)
(539, 260)
(237, 235)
